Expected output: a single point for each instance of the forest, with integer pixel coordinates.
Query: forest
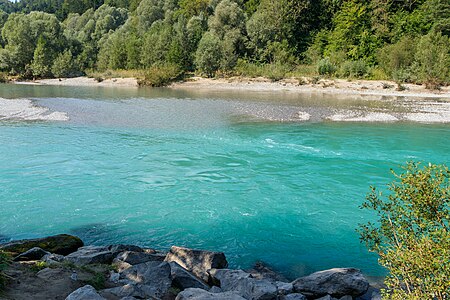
(401, 40)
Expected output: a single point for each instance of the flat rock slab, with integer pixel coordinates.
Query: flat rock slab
(199, 262)
(199, 294)
(90, 255)
(63, 244)
(334, 282)
(183, 279)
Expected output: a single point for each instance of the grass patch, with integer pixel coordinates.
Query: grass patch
(38, 266)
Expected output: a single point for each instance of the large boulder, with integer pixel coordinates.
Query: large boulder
(334, 282)
(116, 249)
(35, 253)
(135, 258)
(151, 279)
(87, 292)
(199, 262)
(63, 244)
(262, 271)
(182, 279)
(199, 294)
(90, 255)
(243, 284)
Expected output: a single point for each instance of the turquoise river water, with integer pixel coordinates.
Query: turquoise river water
(163, 167)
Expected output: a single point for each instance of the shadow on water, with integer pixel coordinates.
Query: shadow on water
(96, 233)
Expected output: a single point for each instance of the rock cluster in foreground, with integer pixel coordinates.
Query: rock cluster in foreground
(133, 272)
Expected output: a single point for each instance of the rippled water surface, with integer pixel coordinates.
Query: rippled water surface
(159, 168)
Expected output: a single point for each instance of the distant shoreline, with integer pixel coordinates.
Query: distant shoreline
(327, 86)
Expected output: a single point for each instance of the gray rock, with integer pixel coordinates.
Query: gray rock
(215, 289)
(60, 244)
(53, 258)
(152, 278)
(334, 282)
(114, 277)
(90, 255)
(197, 261)
(120, 265)
(199, 294)
(347, 297)
(128, 298)
(182, 279)
(116, 249)
(87, 292)
(135, 258)
(243, 284)
(128, 290)
(284, 288)
(35, 253)
(293, 296)
(50, 274)
(261, 271)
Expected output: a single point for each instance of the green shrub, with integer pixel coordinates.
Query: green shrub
(3, 77)
(354, 69)
(274, 71)
(396, 59)
(412, 234)
(161, 75)
(64, 66)
(432, 60)
(4, 262)
(325, 67)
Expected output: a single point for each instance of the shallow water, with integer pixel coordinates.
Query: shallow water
(203, 170)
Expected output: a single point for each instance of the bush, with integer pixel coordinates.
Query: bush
(325, 67)
(4, 262)
(432, 60)
(161, 75)
(274, 72)
(396, 59)
(65, 66)
(354, 69)
(412, 235)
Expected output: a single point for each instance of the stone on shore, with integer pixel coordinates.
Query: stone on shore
(293, 296)
(199, 294)
(261, 271)
(334, 282)
(86, 292)
(135, 258)
(199, 262)
(63, 244)
(243, 284)
(35, 253)
(150, 279)
(90, 255)
(182, 279)
(116, 249)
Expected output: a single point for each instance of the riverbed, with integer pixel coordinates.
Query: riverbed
(262, 176)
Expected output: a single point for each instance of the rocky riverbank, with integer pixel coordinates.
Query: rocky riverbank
(62, 267)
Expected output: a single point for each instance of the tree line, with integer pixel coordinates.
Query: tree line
(403, 40)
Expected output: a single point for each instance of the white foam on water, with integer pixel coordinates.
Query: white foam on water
(25, 110)
(367, 117)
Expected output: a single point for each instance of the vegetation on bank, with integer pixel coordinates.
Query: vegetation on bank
(407, 41)
(412, 235)
(4, 261)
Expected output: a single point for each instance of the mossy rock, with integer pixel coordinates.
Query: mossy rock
(63, 244)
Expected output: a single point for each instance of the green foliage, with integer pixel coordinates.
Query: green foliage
(325, 67)
(64, 66)
(412, 234)
(209, 54)
(432, 60)
(42, 59)
(396, 59)
(354, 69)
(4, 262)
(161, 75)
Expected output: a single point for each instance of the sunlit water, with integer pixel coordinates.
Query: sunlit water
(160, 168)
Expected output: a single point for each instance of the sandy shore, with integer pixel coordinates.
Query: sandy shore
(25, 110)
(324, 86)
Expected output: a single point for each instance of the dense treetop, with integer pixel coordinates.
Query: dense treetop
(405, 40)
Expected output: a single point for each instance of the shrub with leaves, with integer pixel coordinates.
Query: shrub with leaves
(161, 75)
(4, 261)
(326, 67)
(412, 235)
